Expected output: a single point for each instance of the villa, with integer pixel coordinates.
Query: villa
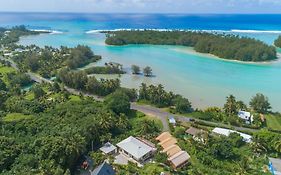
(226, 132)
(176, 156)
(246, 116)
(136, 149)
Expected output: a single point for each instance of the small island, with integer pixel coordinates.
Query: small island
(231, 47)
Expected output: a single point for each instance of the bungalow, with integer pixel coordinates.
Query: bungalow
(195, 133)
(275, 166)
(103, 169)
(108, 149)
(172, 120)
(136, 149)
(176, 156)
(246, 116)
(226, 132)
(179, 160)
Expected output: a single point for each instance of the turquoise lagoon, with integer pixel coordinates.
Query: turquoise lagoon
(204, 79)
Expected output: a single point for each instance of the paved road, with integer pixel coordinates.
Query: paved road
(146, 109)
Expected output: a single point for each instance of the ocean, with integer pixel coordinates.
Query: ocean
(204, 79)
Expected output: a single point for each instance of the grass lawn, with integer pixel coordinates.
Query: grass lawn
(16, 117)
(6, 69)
(273, 122)
(152, 168)
(74, 98)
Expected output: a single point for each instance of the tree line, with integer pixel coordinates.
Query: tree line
(225, 46)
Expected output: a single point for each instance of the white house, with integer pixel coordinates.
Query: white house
(108, 149)
(226, 132)
(246, 116)
(172, 120)
(136, 149)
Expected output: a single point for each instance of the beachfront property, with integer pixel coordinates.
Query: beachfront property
(275, 166)
(108, 149)
(176, 156)
(246, 116)
(226, 132)
(136, 149)
(103, 169)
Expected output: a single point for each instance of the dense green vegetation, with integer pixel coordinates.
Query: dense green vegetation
(277, 42)
(46, 61)
(109, 68)
(224, 46)
(12, 35)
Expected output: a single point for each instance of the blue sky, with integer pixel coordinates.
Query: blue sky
(143, 6)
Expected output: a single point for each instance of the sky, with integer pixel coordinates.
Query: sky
(144, 6)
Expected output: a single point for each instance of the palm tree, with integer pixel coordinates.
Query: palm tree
(230, 106)
(277, 145)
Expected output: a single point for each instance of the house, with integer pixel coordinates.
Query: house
(136, 149)
(108, 149)
(168, 142)
(195, 133)
(226, 132)
(103, 169)
(176, 156)
(172, 150)
(179, 160)
(163, 136)
(246, 116)
(275, 166)
(172, 120)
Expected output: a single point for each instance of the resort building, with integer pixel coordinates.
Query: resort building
(108, 149)
(136, 149)
(176, 156)
(226, 132)
(246, 116)
(275, 166)
(179, 160)
(103, 169)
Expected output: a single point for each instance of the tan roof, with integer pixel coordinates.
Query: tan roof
(172, 150)
(193, 131)
(163, 136)
(179, 159)
(168, 142)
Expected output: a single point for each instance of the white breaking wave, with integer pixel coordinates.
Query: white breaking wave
(256, 31)
(52, 32)
(192, 30)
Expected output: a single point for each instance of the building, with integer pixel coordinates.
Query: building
(176, 156)
(136, 149)
(226, 132)
(246, 116)
(172, 120)
(108, 149)
(196, 133)
(275, 166)
(179, 160)
(103, 169)
(163, 136)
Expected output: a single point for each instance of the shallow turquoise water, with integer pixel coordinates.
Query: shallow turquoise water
(204, 80)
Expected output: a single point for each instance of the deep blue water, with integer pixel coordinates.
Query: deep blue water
(171, 21)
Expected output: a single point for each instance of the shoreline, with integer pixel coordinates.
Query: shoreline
(190, 50)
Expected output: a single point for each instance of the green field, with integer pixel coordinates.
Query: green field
(273, 122)
(16, 117)
(5, 69)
